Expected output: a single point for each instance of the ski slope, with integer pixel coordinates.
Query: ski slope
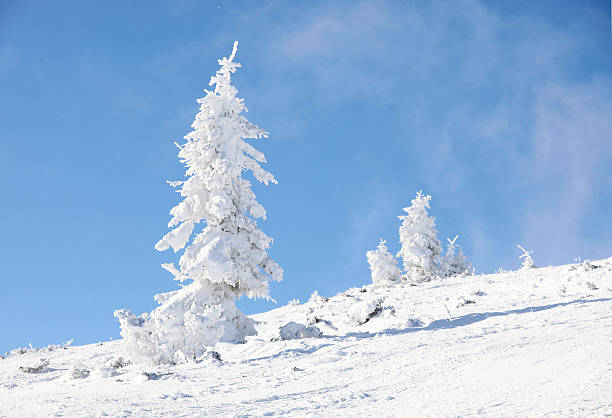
(533, 342)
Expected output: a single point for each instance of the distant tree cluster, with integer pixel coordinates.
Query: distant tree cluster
(421, 250)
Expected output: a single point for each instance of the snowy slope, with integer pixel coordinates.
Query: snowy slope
(532, 342)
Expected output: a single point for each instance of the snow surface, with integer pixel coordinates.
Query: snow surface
(531, 342)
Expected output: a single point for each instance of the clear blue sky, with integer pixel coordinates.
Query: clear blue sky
(502, 111)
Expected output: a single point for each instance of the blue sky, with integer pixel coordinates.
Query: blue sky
(502, 111)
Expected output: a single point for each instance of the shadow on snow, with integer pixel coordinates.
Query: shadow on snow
(471, 318)
(438, 324)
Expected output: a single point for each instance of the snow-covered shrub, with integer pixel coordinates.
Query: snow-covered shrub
(313, 313)
(293, 331)
(316, 298)
(226, 258)
(478, 293)
(383, 265)
(462, 301)
(145, 376)
(587, 266)
(526, 257)
(17, 351)
(78, 371)
(39, 366)
(421, 247)
(293, 302)
(51, 347)
(454, 262)
(104, 372)
(118, 362)
(210, 356)
(361, 312)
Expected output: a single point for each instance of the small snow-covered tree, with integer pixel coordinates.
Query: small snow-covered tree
(527, 259)
(421, 247)
(454, 262)
(383, 265)
(227, 257)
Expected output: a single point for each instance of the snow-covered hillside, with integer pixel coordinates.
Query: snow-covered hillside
(531, 342)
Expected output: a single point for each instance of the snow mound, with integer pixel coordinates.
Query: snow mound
(294, 331)
(362, 311)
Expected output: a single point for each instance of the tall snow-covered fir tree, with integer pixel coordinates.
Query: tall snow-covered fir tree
(421, 247)
(227, 258)
(383, 265)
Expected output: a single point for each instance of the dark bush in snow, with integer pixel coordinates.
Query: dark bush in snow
(118, 363)
(209, 356)
(461, 301)
(38, 367)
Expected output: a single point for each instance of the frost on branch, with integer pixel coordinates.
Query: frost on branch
(526, 257)
(224, 253)
(383, 265)
(421, 247)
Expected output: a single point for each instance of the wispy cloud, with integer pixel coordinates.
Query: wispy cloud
(487, 112)
(356, 48)
(503, 100)
(568, 166)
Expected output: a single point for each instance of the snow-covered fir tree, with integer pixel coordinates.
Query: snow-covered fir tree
(527, 259)
(421, 247)
(454, 262)
(227, 256)
(383, 265)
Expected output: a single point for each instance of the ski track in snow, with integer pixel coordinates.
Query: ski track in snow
(535, 342)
